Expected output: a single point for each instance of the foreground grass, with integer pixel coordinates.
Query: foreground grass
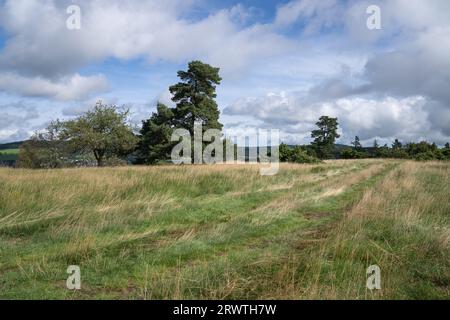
(225, 232)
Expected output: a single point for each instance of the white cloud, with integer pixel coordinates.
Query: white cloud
(14, 135)
(42, 57)
(74, 87)
(412, 62)
(40, 44)
(317, 14)
(385, 119)
(387, 83)
(13, 118)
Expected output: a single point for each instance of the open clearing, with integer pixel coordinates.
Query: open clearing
(225, 232)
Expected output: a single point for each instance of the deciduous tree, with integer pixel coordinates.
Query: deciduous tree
(45, 149)
(103, 131)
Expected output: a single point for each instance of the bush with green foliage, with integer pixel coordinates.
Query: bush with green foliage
(428, 156)
(422, 151)
(295, 155)
(446, 151)
(349, 153)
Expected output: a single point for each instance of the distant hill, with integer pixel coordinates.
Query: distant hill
(342, 146)
(9, 153)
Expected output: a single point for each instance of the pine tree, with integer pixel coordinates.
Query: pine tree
(397, 145)
(156, 132)
(195, 102)
(194, 97)
(325, 137)
(357, 144)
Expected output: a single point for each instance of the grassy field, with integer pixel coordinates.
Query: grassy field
(225, 232)
(9, 151)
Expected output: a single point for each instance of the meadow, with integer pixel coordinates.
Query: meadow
(9, 151)
(225, 232)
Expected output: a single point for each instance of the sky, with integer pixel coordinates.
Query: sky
(283, 63)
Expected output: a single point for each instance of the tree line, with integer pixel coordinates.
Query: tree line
(104, 135)
(422, 151)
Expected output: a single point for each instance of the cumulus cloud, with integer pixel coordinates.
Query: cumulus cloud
(14, 118)
(156, 30)
(42, 57)
(319, 14)
(67, 88)
(406, 118)
(315, 57)
(418, 65)
(13, 135)
(16, 114)
(402, 90)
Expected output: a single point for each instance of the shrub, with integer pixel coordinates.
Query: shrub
(296, 155)
(353, 154)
